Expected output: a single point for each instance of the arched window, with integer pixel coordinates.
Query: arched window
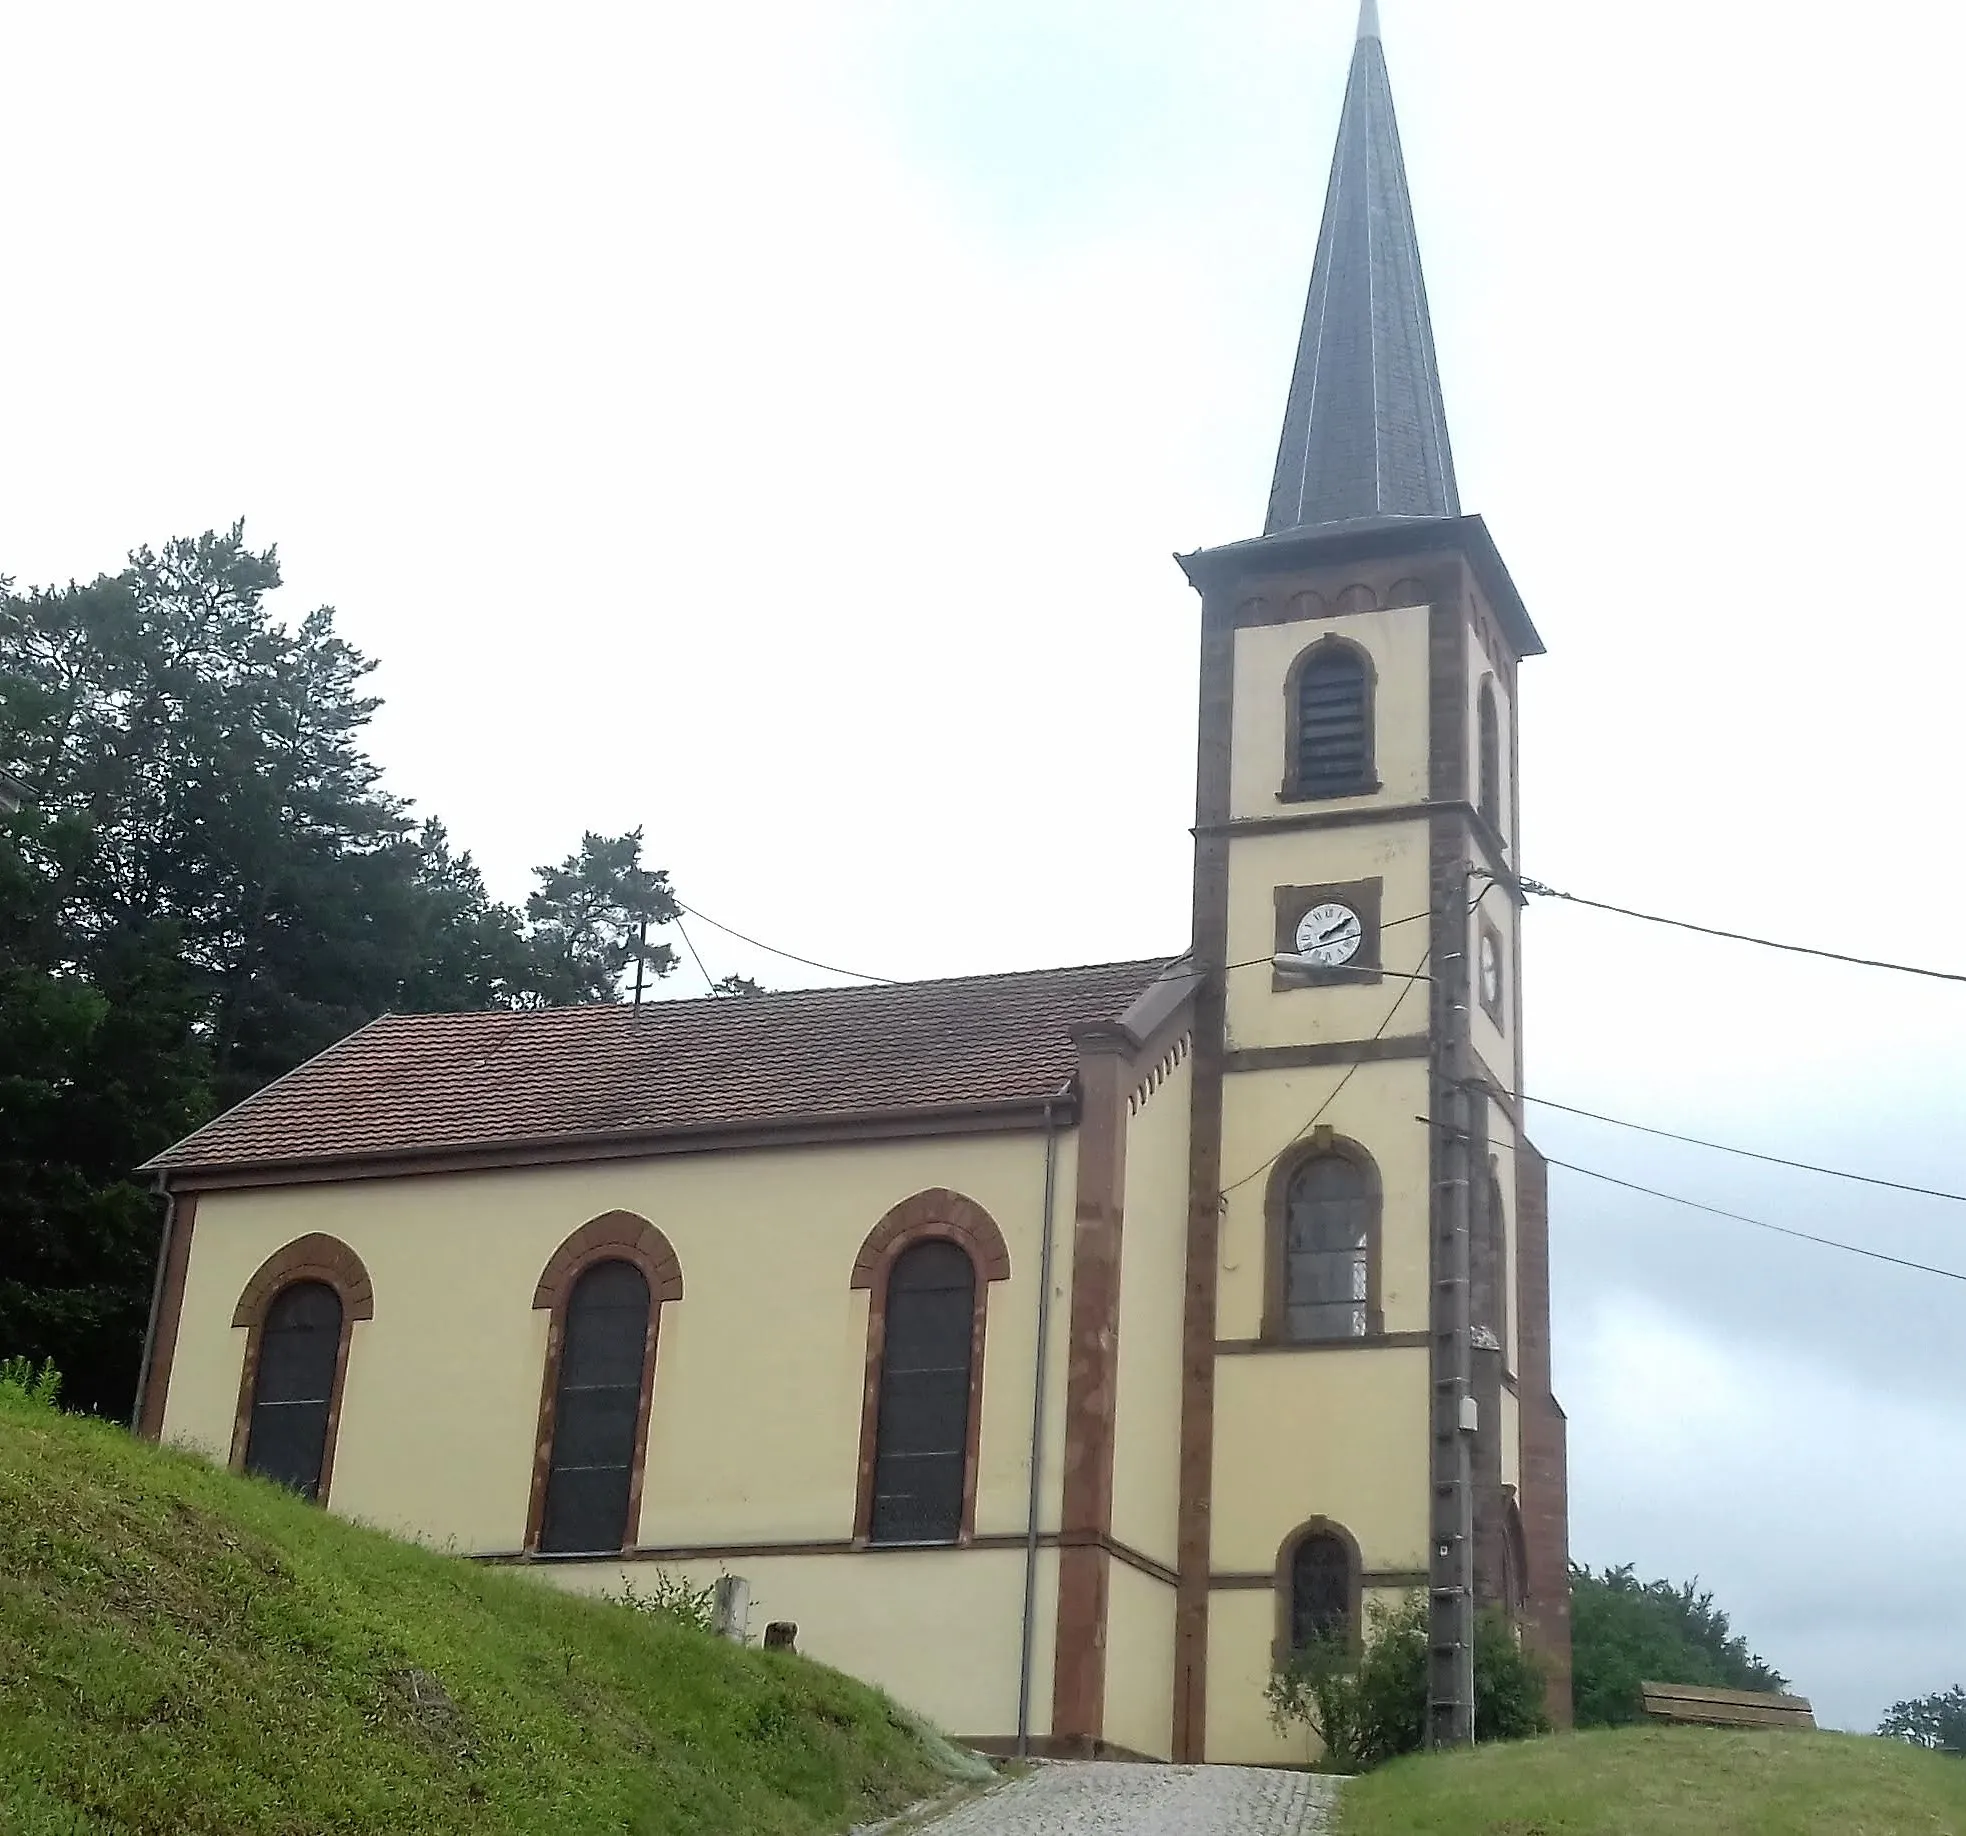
(299, 1310)
(1318, 1583)
(1488, 1266)
(927, 1266)
(294, 1386)
(1489, 764)
(921, 1436)
(605, 1287)
(1330, 722)
(597, 1410)
(1324, 1230)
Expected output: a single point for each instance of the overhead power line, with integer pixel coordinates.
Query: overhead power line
(858, 975)
(1780, 1230)
(1773, 1160)
(1337, 1089)
(1537, 888)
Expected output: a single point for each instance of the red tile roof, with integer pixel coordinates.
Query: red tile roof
(424, 1084)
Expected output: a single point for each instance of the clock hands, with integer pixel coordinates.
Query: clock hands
(1343, 927)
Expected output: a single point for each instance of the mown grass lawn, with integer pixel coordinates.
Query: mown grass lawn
(1666, 1782)
(182, 1650)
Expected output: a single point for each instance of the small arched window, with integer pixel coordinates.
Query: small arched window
(1489, 763)
(1330, 721)
(597, 1411)
(1325, 1238)
(1320, 1588)
(294, 1386)
(921, 1435)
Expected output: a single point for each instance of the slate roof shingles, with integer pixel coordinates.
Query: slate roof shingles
(431, 1083)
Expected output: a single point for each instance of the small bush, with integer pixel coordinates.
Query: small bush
(1369, 1707)
(21, 1382)
(674, 1597)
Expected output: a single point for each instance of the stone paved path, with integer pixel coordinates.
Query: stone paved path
(1112, 1799)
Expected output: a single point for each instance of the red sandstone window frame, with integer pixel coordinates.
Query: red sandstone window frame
(615, 1236)
(1321, 1144)
(316, 1257)
(937, 1215)
(1282, 1645)
(1325, 649)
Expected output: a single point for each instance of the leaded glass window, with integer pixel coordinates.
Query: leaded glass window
(596, 1410)
(1320, 1588)
(921, 1434)
(293, 1386)
(1327, 1251)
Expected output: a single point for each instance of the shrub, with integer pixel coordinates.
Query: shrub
(20, 1381)
(1624, 1631)
(1371, 1706)
(672, 1596)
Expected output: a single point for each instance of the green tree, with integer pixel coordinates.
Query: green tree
(1937, 1721)
(589, 918)
(207, 885)
(1624, 1632)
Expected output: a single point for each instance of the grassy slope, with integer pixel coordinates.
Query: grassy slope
(1655, 1781)
(183, 1650)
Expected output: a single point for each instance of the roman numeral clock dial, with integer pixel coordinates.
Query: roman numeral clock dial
(1329, 936)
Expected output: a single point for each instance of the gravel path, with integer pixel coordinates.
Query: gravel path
(1110, 1799)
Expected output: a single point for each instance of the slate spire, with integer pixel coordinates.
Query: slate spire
(1365, 429)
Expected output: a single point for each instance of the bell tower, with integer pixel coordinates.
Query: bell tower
(1366, 1398)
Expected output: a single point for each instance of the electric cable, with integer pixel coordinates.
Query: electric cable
(690, 944)
(1337, 1090)
(1738, 1217)
(1780, 1230)
(1775, 1160)
(1541, 891)
(858, 975)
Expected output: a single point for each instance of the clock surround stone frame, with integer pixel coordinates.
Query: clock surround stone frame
(1366, 897)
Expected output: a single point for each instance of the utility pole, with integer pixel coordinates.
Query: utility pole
(1450, 1564)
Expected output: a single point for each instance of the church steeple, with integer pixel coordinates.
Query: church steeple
(1365, 428)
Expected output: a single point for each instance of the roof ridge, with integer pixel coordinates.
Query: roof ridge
(1155, 963)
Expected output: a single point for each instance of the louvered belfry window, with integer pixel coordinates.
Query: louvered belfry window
(1327, 1251)
(921, 1434)
(293, 1386)
(596, 1409)
(1320, 1589)
(1334, 723)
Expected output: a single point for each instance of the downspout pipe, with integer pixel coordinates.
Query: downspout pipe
(1045, 1258)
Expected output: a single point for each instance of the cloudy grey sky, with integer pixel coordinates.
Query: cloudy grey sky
(771, 425)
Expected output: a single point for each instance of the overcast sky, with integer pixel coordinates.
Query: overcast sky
(771, 425)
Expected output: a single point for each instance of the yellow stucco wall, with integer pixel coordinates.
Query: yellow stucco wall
(1396, 641)
(1140, 1663)
(1376, 1107)
(442, 1396)
(1259, 1014)
(1153, 1267)
(939, 1630)
(1337, 1434)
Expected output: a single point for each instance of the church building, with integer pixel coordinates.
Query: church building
(1057, 1349)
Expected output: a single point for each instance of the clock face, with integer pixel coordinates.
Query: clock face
(1491, 972)
(1329, 936)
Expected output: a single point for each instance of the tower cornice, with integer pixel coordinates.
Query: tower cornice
(1210, 570)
